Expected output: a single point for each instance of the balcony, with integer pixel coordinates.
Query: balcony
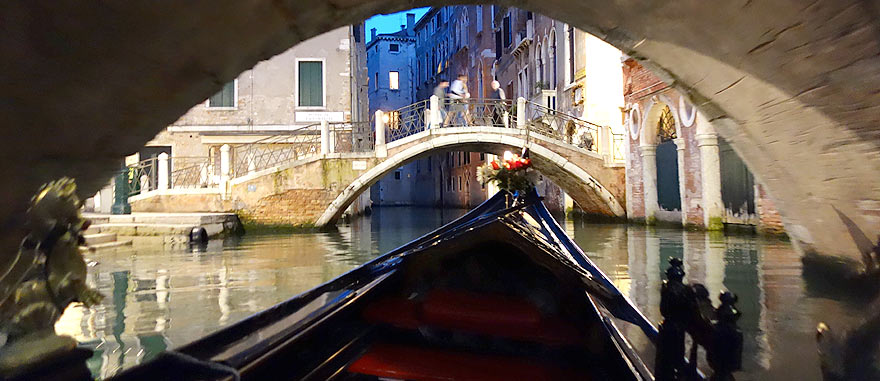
(524, 38)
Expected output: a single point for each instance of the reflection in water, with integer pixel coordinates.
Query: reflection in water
(159, 299)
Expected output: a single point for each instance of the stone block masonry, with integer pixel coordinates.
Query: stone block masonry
(294, 207)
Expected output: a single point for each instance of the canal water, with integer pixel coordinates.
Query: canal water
(158, 298)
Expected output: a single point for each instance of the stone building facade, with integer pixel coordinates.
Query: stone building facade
(390, 69)
(323, 78)
(678, 170)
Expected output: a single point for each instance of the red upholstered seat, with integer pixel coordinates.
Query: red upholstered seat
(413, 363)
(491, 315)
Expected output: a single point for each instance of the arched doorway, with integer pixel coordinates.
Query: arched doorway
(668, 195)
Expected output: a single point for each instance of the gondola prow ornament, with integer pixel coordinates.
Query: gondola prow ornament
(47, 275)
(688, 310)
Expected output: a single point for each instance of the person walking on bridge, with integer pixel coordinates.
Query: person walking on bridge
(440, 93)
(499, 107)
(458, 95)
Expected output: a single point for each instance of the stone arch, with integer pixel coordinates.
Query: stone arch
(794, 96)
(583, 187)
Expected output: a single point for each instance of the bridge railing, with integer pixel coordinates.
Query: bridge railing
(142, 176)
(618, 149)
(534, 117)
(475, 112)
(193, 172)
(275, 150)
(559, 125)
(407, 120)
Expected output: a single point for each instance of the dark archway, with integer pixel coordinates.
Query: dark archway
(791, 86)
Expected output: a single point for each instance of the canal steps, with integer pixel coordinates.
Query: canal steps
(109, 231)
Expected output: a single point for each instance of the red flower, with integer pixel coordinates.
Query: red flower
(495, 165)
(516, 164)
(527, 162)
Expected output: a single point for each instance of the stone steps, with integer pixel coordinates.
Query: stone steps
(99, 238)
(106, 245)
(175, 227)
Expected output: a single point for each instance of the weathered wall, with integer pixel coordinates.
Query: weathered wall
(645, 95)
(792, 86)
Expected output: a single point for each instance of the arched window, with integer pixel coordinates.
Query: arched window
(539, 65)
(553, 65)
(666, 125)
(571, 45)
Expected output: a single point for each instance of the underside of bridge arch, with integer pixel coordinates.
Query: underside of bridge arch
(588, 192)
(791, 85)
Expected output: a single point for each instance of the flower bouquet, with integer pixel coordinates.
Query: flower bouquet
(513, 174)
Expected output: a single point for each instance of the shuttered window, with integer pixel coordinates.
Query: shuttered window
(311, 84)
(225, 97)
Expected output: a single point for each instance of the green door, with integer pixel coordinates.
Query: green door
(737, 182)
(668, 195)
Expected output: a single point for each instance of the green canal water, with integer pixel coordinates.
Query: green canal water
(159, 298)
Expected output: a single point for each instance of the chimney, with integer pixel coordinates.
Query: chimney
(410, 21)
(372, 34)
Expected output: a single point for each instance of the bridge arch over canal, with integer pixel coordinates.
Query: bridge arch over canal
(593, 181)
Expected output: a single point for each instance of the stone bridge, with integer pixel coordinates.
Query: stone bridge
(304, 183)
(791, 85)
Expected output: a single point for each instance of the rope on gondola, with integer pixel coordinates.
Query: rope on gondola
(211, 368)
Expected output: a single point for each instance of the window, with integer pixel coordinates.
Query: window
(397, 175)
(393, 47)
(225, 98)
(393, 80)
(507, 32)
(459, 182)
(479, 18)
(357, 30)
(467, 157)
(482, 156)
(553, 60)
(571, 66)
(376, 79)
(311, 83)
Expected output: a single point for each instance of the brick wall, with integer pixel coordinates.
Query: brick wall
(769, 220)
(642, 88)
(292, 207)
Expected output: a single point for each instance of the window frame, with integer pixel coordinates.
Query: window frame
(225, 108)
(296, 97)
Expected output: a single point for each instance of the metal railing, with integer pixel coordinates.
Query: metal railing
(561, 126)
(539, 118)
(476, 112)
(275, 150)
(193, 172)
(352, 137)
(617, 147)
(406, 121)
(142, 177)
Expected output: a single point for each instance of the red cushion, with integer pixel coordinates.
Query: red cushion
(399, 312)
(413, 363)
(491, 315)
